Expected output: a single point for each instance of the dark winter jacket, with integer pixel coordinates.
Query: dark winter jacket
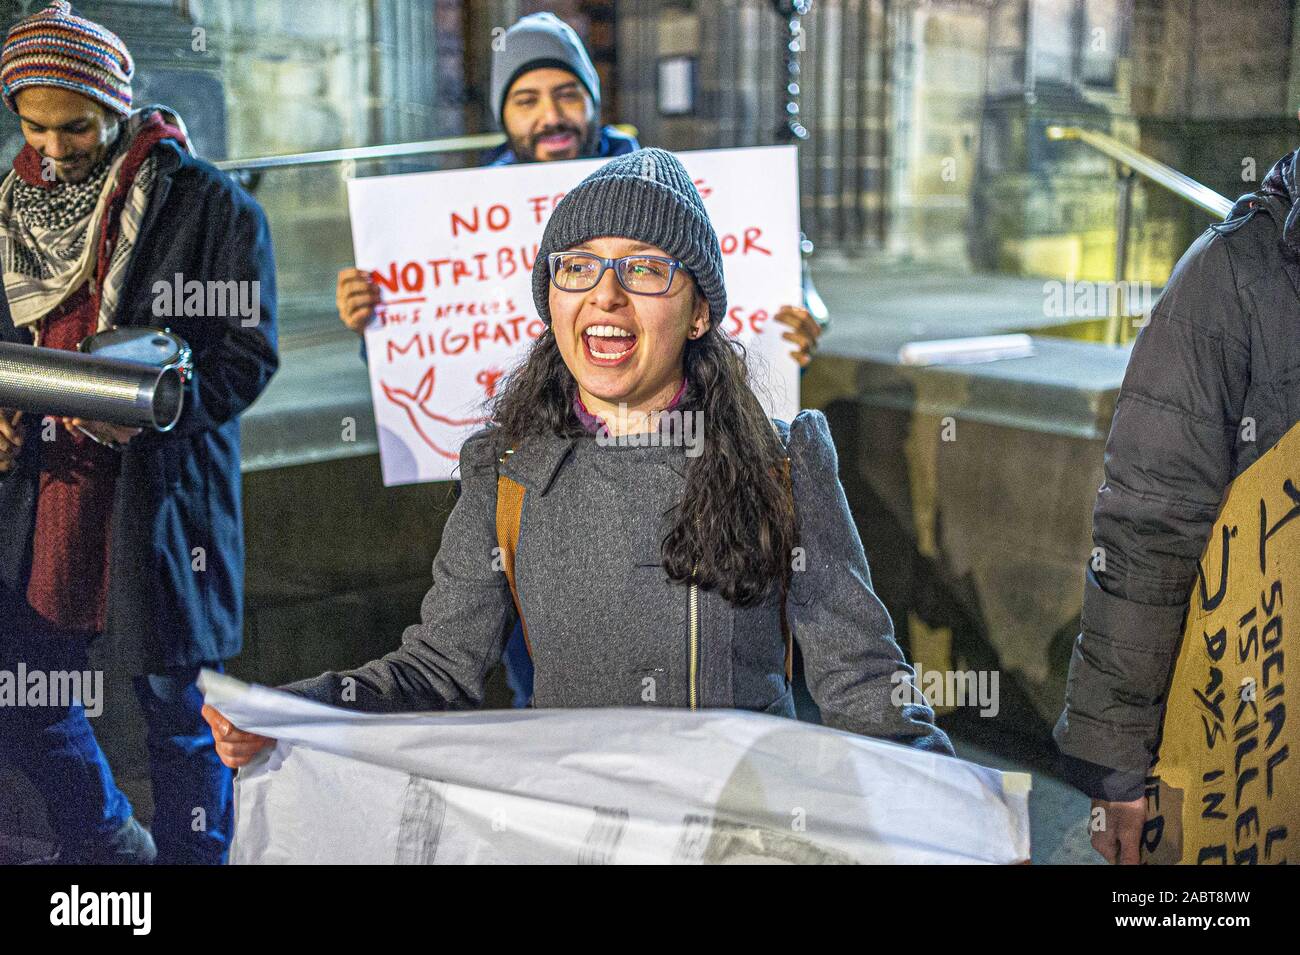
(607, 626)
(1212, 384)
(176, 574)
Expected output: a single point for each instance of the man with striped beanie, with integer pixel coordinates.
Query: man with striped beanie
(54, 48)
(109, 536)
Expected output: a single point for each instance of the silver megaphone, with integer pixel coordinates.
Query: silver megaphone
(49, 381)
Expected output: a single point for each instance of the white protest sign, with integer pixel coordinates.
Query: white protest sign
(645, 786)
(453, 255)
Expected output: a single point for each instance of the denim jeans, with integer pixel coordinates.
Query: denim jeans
(55, 747)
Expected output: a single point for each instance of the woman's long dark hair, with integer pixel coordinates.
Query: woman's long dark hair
(734, 528)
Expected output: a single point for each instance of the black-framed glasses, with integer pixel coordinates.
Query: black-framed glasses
(638, 274)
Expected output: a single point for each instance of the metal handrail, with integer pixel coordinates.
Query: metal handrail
(453, 144)
(1185, 187)
(1129, 163)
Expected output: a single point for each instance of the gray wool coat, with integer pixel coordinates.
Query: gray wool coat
(608, 628)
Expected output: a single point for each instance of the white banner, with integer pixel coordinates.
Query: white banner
(652, 785)
(453, 253)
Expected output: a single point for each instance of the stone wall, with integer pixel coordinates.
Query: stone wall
(939, 88)
(1215, 93)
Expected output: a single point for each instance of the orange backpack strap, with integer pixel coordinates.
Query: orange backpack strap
(785, 623)
(510, 509)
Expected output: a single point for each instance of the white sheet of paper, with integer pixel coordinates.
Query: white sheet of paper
(453, 254)
(650, 785)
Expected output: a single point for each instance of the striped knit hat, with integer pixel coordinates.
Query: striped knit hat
(56, 48)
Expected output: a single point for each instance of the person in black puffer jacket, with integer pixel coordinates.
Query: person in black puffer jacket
(1212, 384)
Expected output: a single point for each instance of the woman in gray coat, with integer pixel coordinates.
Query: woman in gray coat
(658, 535)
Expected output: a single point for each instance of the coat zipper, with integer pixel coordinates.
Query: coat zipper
(693, 600)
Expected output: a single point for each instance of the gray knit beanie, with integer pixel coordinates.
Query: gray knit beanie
(539, 40)
(645, 195)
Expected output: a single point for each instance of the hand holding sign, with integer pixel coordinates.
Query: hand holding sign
(1120, 834)
(356, 297)
(804, 334)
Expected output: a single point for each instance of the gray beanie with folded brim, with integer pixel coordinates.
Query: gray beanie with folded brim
(535, 41)
(645, 195)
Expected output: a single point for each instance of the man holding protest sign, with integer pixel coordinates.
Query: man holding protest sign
(1212, 385)
(546, 97)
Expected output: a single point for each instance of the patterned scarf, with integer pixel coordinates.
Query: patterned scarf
(54, 236)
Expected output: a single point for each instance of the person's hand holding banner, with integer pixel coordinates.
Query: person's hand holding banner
(235, 747)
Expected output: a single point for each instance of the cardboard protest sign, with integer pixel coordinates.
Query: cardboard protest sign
(453, 254)
(1226, 785)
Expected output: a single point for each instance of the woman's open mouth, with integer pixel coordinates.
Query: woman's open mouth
(607, 345)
